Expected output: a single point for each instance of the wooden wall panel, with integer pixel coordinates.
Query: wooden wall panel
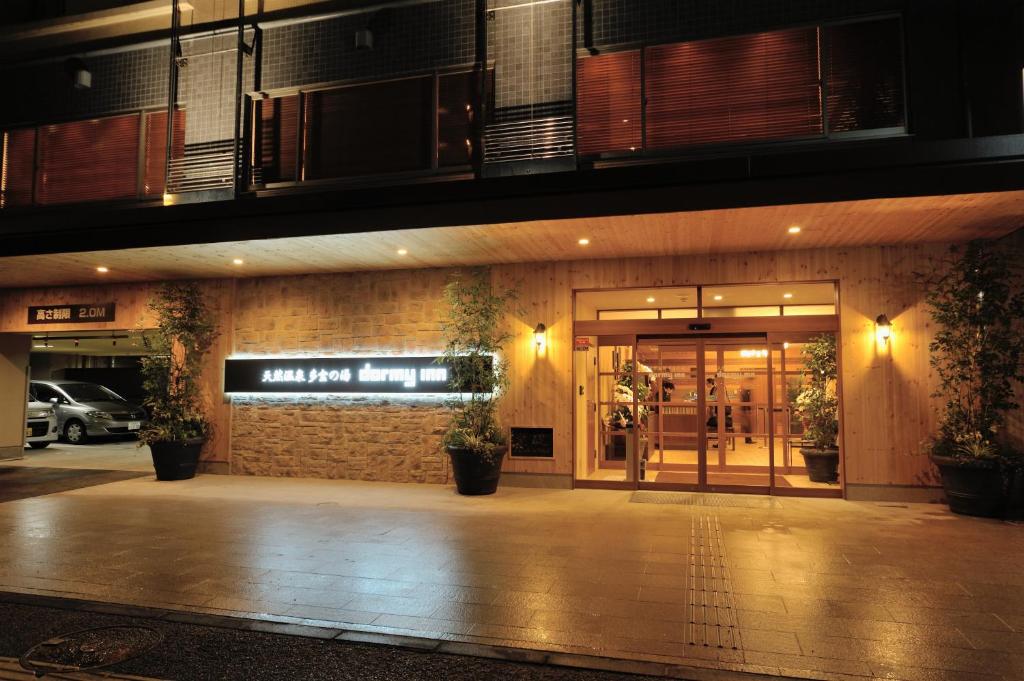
(887, 409)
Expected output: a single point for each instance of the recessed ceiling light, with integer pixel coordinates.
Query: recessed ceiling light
(650, 299)
(238, 261)
(795, 229)
(102, 270)
(718, 297)
(403, 251)
(787, 296)
(584, 242)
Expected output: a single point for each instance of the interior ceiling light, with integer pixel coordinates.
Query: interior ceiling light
(102, 269)
(238, 261)
(718, 297)
(650, 299)
(795, 229)
(403, 251)
(787, 296)
(584, 242)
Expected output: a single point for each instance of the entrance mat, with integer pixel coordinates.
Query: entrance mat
(702, 499)
(716, 478)
(23, 482)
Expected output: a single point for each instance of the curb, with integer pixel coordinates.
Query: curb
(412, 643)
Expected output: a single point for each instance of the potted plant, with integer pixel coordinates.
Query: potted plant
(621, 417)
(474, 335)
(818, 406)
(177, 425)
(976, 298)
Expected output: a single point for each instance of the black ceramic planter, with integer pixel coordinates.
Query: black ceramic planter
(822, 464)
(176, 460)
(975, 488)
(474, 474)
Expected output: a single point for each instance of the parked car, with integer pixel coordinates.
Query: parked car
(86, 410)
(40, 424)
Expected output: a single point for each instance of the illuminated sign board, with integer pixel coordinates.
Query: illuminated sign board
(337, 375)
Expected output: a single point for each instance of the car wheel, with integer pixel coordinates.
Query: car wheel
(74, 432)
(38, 445)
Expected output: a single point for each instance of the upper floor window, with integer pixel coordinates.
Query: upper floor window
(776, 85)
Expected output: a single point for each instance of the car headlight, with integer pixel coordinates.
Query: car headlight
(99, 415)
(40, 413)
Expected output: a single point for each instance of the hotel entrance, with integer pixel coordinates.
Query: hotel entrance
(696, 403)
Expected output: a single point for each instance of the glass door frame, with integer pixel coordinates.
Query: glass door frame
(700, 342)
(771, 341)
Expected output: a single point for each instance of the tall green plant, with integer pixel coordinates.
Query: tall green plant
(818, 403)
(976, 297)
(475, 332)
(170, 374)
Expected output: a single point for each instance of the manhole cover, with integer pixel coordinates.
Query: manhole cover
(89, 649)
(695, 499)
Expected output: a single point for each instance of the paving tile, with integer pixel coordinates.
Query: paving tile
(822, 588)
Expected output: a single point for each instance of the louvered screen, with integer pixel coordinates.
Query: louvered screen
(456, 106)
(19, 159)
(278, 125)
(608, 103)
(88, 160)
(753, 87)
(369, 129)
(864, 69)
(154, 180)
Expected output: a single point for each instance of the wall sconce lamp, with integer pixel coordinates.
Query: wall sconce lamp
(540, 336)
(883, 329)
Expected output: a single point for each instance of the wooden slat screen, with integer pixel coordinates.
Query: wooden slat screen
(369, 129)
(752, 87)
(279, 124)
(608, 115)
(154, 178)
(88, 160)
(19, 158)
(456, 108)
(864, 71)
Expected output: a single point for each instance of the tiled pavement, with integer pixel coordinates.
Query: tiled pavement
(809, 588)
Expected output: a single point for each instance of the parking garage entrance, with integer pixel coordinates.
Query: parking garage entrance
(81, 397)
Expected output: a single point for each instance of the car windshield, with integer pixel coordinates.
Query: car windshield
(88, 392)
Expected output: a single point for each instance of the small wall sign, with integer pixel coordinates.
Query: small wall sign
(412, 375)
(581, 343)
(532, 442)
(77, 313)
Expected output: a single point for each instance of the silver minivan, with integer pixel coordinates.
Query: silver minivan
(87, 410)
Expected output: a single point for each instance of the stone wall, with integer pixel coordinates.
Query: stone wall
(383, 313)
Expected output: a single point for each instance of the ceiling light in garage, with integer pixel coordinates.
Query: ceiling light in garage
(795, 229)
(402, 251)
(238, 261)
(102, 270)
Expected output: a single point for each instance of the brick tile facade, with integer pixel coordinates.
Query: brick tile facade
(355, 438)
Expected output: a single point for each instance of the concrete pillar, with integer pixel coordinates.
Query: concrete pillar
(14, 352)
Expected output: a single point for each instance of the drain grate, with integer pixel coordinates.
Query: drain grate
(89, 649)
(712, 620)
(699, 499)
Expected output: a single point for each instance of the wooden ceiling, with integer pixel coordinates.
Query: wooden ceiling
(953, 218)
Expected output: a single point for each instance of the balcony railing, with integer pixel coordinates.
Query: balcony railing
(800, 83)
(636, 103)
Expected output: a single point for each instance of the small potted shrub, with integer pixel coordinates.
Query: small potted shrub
(475, 333)
(818, 407)
(620, 418)
(177, 425)
(976, 298)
